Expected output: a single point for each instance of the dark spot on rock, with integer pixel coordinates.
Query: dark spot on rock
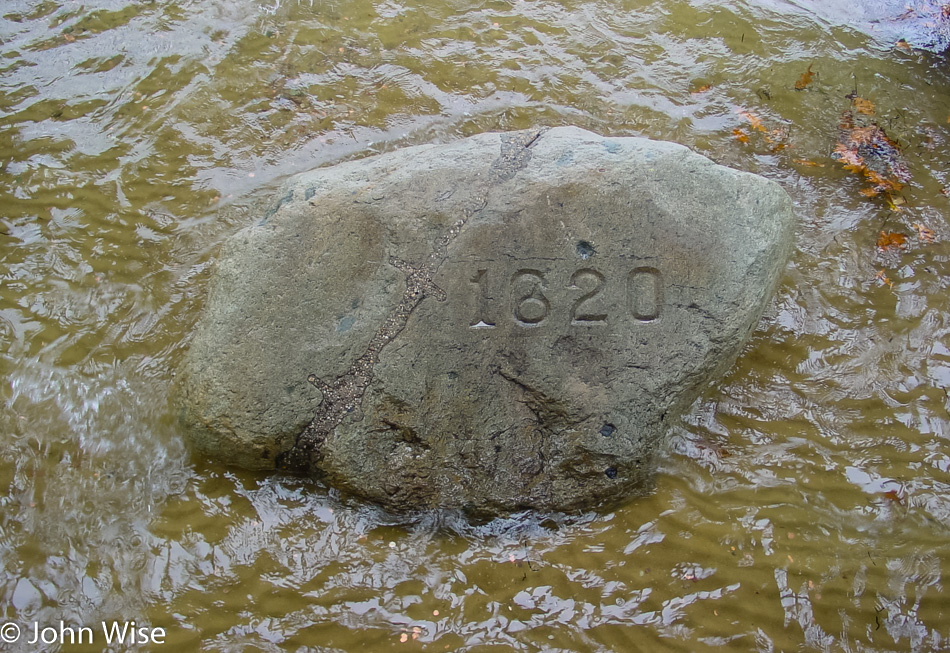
(283, 200)
(345, 324)
(585, 250)
(607, 430)
(497, 448)
(265, 454)
(611, 472)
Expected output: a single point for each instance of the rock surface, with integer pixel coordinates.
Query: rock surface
(512, 320)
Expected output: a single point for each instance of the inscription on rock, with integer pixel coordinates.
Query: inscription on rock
(534, 294)
(510, 321)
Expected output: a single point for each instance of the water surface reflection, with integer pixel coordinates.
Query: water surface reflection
(804, 502)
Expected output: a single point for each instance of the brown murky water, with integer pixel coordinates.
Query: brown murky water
(805, 501)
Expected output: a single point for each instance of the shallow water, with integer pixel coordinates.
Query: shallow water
(805, 500)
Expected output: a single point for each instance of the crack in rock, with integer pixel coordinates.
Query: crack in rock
(343, 396)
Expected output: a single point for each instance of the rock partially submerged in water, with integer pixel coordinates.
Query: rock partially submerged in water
(512, 320)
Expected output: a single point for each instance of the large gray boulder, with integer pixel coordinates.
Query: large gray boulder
(512, 320)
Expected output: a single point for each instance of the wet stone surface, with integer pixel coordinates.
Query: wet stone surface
(512, 320)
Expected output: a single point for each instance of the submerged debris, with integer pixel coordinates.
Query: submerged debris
(924, 234)
(774, 138)
(867, 150)
(925, 24)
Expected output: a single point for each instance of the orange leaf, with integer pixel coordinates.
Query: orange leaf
(871, 135)
(740, 135)
(893, 495)
(754, 121)
(891, 240)
(850, 158)
(882, 183)
(805, 79)
(701, 89)
(776, 138)
(847, 120)
(863, 106)
(867, 150)
(882, 277)
(810, 164)
(903, 45)
(925, 234)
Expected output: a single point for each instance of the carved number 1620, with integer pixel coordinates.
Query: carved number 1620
(530, 295)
